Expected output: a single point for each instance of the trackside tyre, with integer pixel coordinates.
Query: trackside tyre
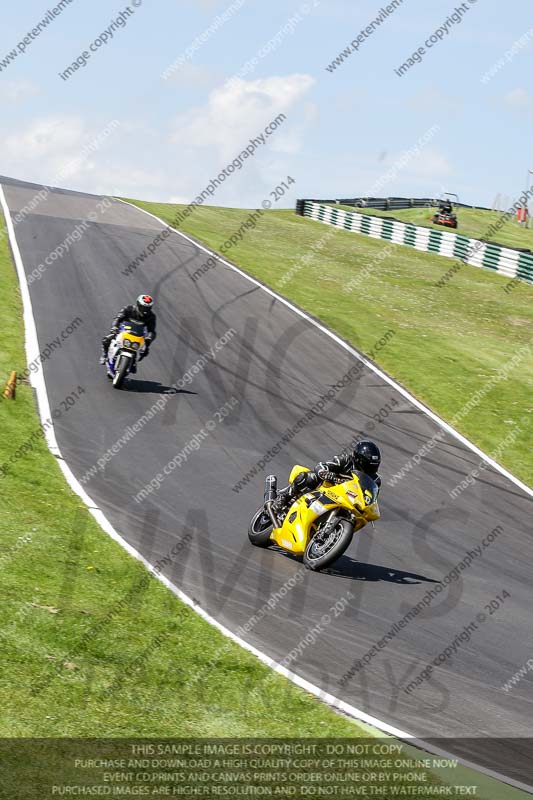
(260, 529)
(324, 550)
(121, 373)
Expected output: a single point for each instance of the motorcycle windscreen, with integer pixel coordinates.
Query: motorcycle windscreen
(369, 487)
(133, 327)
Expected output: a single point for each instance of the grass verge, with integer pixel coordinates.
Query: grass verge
(448, 342)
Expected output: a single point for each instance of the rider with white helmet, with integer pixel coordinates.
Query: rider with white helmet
(141, 311)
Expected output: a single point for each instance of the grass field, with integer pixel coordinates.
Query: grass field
(449, 341)
(472, 222)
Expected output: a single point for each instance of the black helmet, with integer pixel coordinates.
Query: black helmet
(367, 457)
(145, 304)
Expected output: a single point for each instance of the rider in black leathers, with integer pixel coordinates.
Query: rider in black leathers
(365, 457)
(143, 312)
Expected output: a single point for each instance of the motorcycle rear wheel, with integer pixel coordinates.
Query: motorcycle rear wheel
(258, 530)
(321, 553)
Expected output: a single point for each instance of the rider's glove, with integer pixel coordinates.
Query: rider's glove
(325, 474)
(114, 330)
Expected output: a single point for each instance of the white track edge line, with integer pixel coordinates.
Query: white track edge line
(38, 382)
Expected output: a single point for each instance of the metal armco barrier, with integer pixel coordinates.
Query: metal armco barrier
(392, 203)
(504, 260)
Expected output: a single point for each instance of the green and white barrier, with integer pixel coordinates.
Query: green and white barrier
(504, 260)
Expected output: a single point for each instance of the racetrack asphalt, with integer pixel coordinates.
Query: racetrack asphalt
(277, 365)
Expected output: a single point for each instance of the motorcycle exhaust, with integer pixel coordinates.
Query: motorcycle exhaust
(271, 492)
(271, 488)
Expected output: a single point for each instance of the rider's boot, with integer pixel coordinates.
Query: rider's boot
(106, 341)
(281, 504)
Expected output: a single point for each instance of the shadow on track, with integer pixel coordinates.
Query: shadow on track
(346, 567)
(350, 568)
(153, 387)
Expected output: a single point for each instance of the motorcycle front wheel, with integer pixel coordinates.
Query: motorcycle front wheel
(260, 529)
(324, 548)
(120, 372)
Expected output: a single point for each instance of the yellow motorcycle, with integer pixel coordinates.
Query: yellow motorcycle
(124, 350)
(319, 525)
